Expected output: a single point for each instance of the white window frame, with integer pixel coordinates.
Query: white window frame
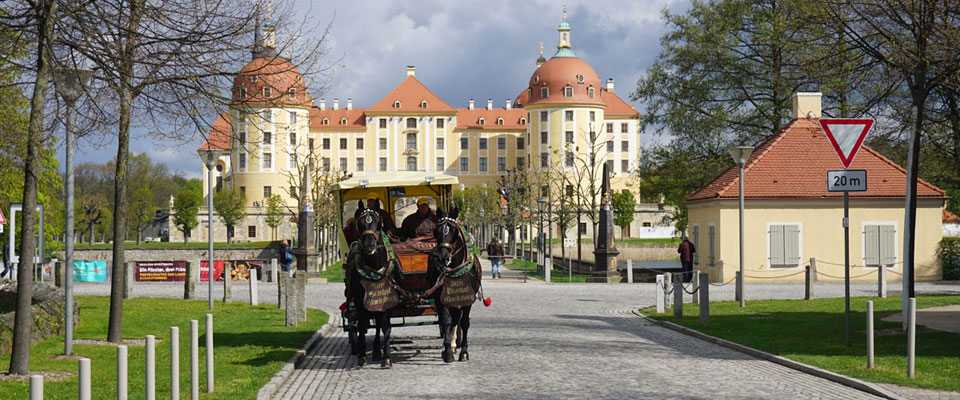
(784, 267)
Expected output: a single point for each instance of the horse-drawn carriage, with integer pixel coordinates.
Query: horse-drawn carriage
(400, 280)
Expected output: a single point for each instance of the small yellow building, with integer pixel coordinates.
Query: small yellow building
(790, 218)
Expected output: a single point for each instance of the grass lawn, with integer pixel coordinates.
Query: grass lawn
(557, 275)
(334, 272)
(812, 332)
(180, 245)
(251, 343)
(633, 241)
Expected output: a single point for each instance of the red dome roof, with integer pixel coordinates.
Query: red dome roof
(286, 84)
(560, 72)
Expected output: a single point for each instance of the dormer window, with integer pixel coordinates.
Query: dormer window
(299, 80)
(343, 121)
(544, 92)
(253, 79)
(523, 121)
(568, 91)
(590, 92)
(580, 78)
(481, 121)
(396, 104)
(292, 93)
(266, 91)
(536, 79)
(423, 104)
(326, 121)
(499, 121)
(243, 93)
(530, 94)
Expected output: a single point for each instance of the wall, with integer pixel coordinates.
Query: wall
(133, 255)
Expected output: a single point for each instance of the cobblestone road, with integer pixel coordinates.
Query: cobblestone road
(550, 341)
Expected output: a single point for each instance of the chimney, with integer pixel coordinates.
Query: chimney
(807, 105)
(610, 85)
(349, 104)
(323, 104)
(509, 104)
(411, 70)
(471, 105)
(489, 104)
(336, 104)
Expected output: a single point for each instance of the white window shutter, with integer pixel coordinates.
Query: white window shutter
(791, 244)
(696, 245)
(776, 245)
(871, 245)
(888, 241)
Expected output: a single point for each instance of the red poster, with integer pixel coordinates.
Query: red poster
(217, 270)
(240, 272)
(161, 271)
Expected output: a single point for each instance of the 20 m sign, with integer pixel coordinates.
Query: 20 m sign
(847, 180)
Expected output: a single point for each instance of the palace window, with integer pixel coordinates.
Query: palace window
(326, 121)
(266, 91)
(523, 121)
(267, 138)
(423, 104)
(501, 164)
(464, 164)
(266, 191)
(520, 163)
(610, 146)
(267, 160)
(784, 242)
(396, 104)
(292, 161)
(292, 93)
(360, 164)
(326, 143)
(568, 116)
(624, 128)
(543, 116)
(326, 163)
(482, 143)
(543, 138)
(624, 146)
(440, 123)
(483, 164)
(501, 143)
(242, 160)
(464, 143)
(343, 121)
(440, 143)
(267, 116)
(343, 144)
(569, 159)
(590, 92)
(593, 116)
(243, 93)
(568, 91)
(519, 143)
(343, 164)
(383, 123)
(411, 163)
(441, 164)
(499, 121)
(411, 123)
(544, 91)
(382, 142)
(359, 143)
(481, 121)
(383, 163)
(544, 160)
(580, 78)
(624, 166)
(293, 138)
(569, 136)
(609, 127)
(412, 141)
(569, 190)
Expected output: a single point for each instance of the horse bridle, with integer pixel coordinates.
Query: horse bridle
(446, 221)
(370, 212)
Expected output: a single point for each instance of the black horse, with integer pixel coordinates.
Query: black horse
(369, 267)
(460, 271)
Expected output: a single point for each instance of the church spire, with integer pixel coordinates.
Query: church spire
(263, 36)
(563, 46)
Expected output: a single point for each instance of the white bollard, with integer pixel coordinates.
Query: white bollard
(209, 334)
(869, 334)
(660, 295)
(84, 378)
(151, 359)
(629, 271)
(174, 363)
(548, 266)
(121, 372)
(254, 293)
(273, 270)
(36, 387)
(911, 337)
(194, 360)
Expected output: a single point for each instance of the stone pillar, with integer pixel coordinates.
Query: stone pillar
(629, 271)
(227, 281)
(808, 293)
(282, 292)
(547, 268)
(291, 300)
(254, 293)
(738, 293)
(190, 281)
(704, 299)
(273, 270)
(667, 283)
(301, 309)
(695, 284)
(813, 269)
(660, 294)
(677, 295)
(128, 276)
(882, 282)
(605, 250)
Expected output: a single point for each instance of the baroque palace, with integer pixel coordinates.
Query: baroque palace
(273, 123)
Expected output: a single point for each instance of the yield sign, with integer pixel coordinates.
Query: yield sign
(3, 220)
(846, 136)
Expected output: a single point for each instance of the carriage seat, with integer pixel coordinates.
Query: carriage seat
(417, 245)
(413, 256)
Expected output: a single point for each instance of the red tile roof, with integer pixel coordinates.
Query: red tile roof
(793, 164)
(411, 93)
(277, 73)
(616, 107)
(949, 217)
(470, 119)
(355, 119)
(560, 72)
(219, 137)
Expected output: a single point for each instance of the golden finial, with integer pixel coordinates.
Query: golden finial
(564, 12)
(541, 48)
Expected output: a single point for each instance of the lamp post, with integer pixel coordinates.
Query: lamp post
(508, 229)
(541, 244)
(209, 155)
(69, 83)
(740, 156)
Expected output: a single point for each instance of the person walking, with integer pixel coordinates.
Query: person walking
(686, 251)
(286, 256)
(495, 254)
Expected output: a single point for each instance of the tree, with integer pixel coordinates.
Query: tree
(229, 203)
(141, 211)
(624, 206)
(89, 212)
(185, 208)
(275, 214)
(105, 224)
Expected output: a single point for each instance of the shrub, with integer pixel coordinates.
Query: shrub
(949, 253)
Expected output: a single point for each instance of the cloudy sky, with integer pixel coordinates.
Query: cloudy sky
(461, 49)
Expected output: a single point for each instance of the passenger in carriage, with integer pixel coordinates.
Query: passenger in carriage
(350, 231)
(373, 203)
(420, 223)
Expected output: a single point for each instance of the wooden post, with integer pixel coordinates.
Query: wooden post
(704, 293)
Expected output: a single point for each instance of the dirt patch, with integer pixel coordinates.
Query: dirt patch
(48, 376)
(103, 342)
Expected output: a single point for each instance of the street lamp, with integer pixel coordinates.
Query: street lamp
(70, 83)
(540, 242)
(740, 156)
(209, 155)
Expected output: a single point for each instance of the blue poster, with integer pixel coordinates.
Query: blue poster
(89, 271)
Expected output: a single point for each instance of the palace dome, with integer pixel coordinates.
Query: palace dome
(270, 81)
(559, 73)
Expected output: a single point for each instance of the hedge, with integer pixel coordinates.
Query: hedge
(949, 253)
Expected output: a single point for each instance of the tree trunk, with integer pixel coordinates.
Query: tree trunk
(186, 237)
(139, 237)
(23, 320)
(93, 231)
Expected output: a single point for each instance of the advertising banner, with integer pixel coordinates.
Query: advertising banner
(161, 271)
(89, 271)
(241, 269)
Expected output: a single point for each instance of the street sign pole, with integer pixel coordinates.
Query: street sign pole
(846, 265)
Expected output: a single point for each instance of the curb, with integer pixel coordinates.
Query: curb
(808, 369)
(270, 388)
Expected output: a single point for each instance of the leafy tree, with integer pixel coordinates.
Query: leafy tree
(141, 211)
(229, 205)
(275, 214)
(105, 224)
(185, 208)
(624, 205)
(89, 211)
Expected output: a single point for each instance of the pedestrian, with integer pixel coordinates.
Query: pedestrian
(495, 254)
(6, 263)
(286, 256)
(686, 251)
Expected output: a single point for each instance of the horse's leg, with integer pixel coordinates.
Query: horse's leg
(455, 314)
(376, 339)
(464, 328)
(384, 323)
(362, 324)
(444, 317)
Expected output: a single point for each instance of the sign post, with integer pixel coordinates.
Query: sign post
(568, 242)
(846, 136)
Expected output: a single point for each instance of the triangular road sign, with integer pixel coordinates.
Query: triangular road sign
(3, 220)
(846, 136)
